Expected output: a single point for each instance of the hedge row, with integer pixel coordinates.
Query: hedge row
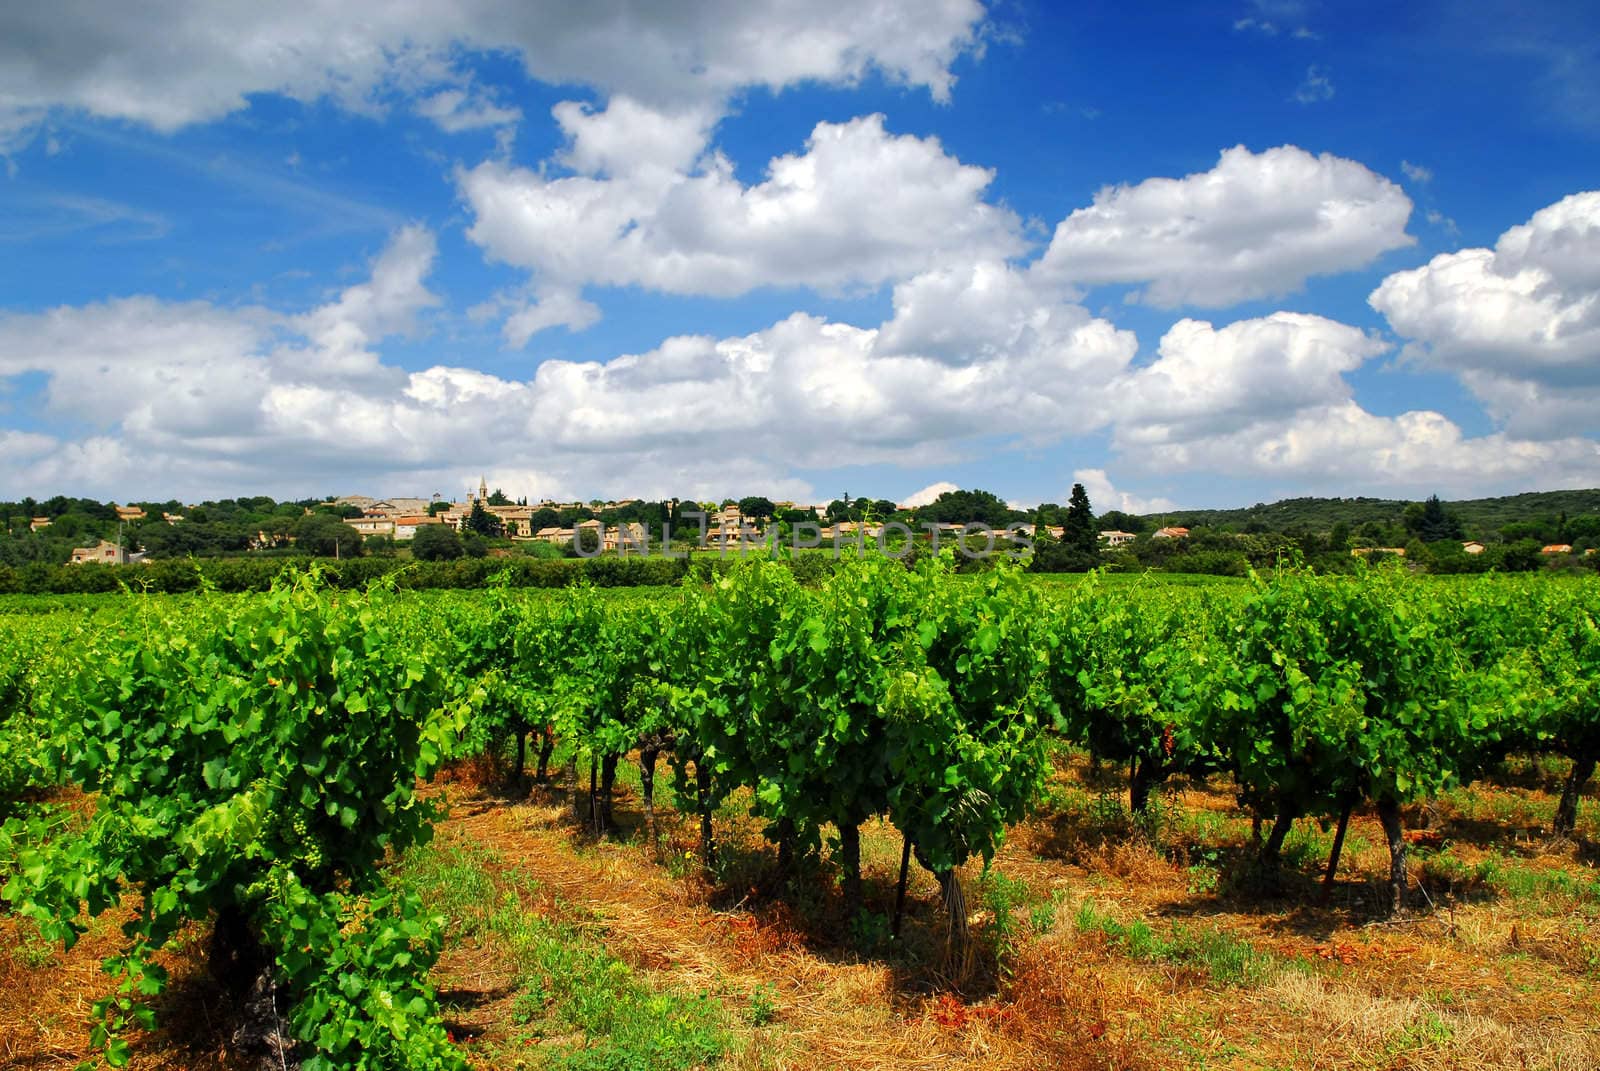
(256, 574)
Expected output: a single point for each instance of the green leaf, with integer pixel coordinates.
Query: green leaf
(215, 773)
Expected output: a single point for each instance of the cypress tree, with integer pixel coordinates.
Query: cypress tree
(1079, 523)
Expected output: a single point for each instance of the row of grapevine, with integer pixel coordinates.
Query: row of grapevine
(1318, 695)
(883, 692)
(921, 697)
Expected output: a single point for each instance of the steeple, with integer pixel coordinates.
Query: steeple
(483, 490)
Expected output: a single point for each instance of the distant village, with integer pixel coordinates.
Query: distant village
(480, 523)
(723, 527)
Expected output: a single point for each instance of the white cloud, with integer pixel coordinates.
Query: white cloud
(1519, 323)
(455, 110)
(193, 398)
(116, 62)
(1270, 29)
(627, 138)
(188, 369)
(928, 494)
(805, 392)
(1316, 87)
(1257, 225)
(988, 310)
(19, 446)
(1416, 172)
(1104, 497)
(1439, 219)
(551, 307)
(1342, 448)
(648, 209)
(200, 380)
(1273, 17)
(190, 394)
(1267, 400)
(1207, 381)
(388, 304)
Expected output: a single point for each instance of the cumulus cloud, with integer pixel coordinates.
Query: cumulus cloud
(19, 446)
(200, 380)
(1206, 380)
(193, 399)
(1266, 399)
(1342, 448)
(185, 368)
(1519, 323)
(928, 494)
(989, 310)
(651, 207)
(387, 304)
(808, 393)
(1255, 226)
(1104, 497)
(116, 62)
(550, 307)
(273, 400)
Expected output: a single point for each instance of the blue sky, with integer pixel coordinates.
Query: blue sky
(1186, 254)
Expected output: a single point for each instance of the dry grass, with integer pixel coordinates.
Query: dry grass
(1356, 1029)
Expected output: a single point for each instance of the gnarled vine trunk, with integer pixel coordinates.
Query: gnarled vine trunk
(244, 968)
(1571, 790)
(708, 844)
(958, 943)
(547, 745)
(647, 789)
(1394, 832)
(900, 886)
(594, 802)
(787, 844)
(522, 757)
(608, 780)
(1146, 776)
(1333, 856)
(1272, 853)
(850, 860)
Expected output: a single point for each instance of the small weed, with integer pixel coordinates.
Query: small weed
(869, 930)
(681, 864)
(1108, 811)
(34, 951)
(1042, 917)
(1208, 828)
(1205, 873)
(1305, 844)
(1227, 959)
(1428, 1032)
(1002, 896)
(763, 1004)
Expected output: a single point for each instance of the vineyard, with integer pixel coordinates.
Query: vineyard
(1072, 824)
